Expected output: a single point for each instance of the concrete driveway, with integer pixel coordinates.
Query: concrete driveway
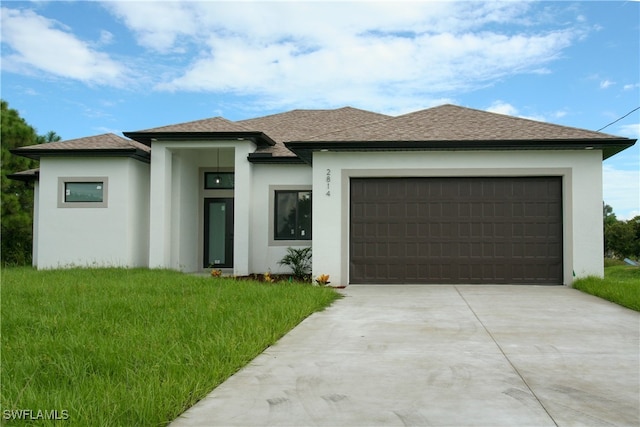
(442, 356)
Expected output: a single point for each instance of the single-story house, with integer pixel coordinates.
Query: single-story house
(442, 195)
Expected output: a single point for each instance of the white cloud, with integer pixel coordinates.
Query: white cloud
(40, 44)
(157, 24)
(631, 130)
(382, 54)
(105, 37)
(606, 83)
(502, 107)
(631, 86)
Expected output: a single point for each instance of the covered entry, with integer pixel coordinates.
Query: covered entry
(505, 230)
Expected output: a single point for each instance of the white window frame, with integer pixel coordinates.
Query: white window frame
(63, 180)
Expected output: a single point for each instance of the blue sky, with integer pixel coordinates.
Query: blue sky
(86, 68)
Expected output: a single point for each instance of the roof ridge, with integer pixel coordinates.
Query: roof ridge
(195, 122)
(515, 118)
(309, 110)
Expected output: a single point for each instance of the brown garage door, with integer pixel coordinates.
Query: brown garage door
(456, 230)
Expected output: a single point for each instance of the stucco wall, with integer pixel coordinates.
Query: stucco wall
(582, 196)
(265, 253)
(176, 201)
(115, 235)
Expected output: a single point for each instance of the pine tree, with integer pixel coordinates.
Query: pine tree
(17, 196)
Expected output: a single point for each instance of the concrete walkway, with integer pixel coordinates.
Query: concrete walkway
(442, 356)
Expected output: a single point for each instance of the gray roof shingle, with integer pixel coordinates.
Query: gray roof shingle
(454, 123)
(28, 175)
(104, 144)
(306, 129)
(214, 124)
(98, 142)
(303, 124)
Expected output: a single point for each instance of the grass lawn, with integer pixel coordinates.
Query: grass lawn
(621, 284)
(116, 347)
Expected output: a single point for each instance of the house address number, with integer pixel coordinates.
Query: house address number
(328, 193)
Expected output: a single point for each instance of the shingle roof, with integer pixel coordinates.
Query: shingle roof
(443, 127)
(97, 142)
(454, 123)
(104, 144)
(205, 129)
(26, 175)
(302, 124)
(214, 124)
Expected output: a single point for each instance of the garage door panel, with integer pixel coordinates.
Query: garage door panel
(456, 230)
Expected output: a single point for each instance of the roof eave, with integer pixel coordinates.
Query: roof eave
(259, 138)
(268, 158)
(35, 176)
(36, 154)
(609, 147)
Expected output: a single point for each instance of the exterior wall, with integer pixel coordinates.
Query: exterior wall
(112, 236)
(139, 213)
(582, 196)
(265, 252)
(176, 201)
(36, 222)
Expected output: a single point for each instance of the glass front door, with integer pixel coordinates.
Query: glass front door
(218, 233)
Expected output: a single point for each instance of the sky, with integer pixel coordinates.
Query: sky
(83, 68)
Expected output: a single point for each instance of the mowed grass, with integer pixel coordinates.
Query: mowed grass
(621, 284)
(115, 347)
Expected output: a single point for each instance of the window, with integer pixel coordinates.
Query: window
(292, 215)
(219, 180)
(82, 192)
(90, 192)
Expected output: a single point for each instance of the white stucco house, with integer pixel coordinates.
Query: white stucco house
(443, 195)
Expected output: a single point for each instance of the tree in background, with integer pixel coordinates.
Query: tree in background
(50, 136)
(17, 196)
(621, 238)
(609, 218)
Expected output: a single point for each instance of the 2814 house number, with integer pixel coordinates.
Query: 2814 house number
(328, 193)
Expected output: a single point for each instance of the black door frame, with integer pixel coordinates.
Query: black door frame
(228, 231)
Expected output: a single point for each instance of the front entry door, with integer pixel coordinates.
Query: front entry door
(218, 233)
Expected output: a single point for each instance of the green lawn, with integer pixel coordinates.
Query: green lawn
(133, 347)
(621, 284)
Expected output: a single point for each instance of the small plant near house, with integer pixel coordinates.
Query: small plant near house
(299, 260)
(323, 280)
(216, 273)
(267, 278)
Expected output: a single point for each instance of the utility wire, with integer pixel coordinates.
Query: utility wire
(617, 120)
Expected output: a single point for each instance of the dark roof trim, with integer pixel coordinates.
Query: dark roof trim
(268, 158)
(30, 175)
(259, 138)
(96, 152)
(609, 147)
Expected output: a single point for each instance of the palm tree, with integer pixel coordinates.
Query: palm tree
(50, 136)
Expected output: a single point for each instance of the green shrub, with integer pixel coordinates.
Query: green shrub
(299, 260)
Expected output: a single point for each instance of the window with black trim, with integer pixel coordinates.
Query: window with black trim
(219, 180)
(292, 215)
